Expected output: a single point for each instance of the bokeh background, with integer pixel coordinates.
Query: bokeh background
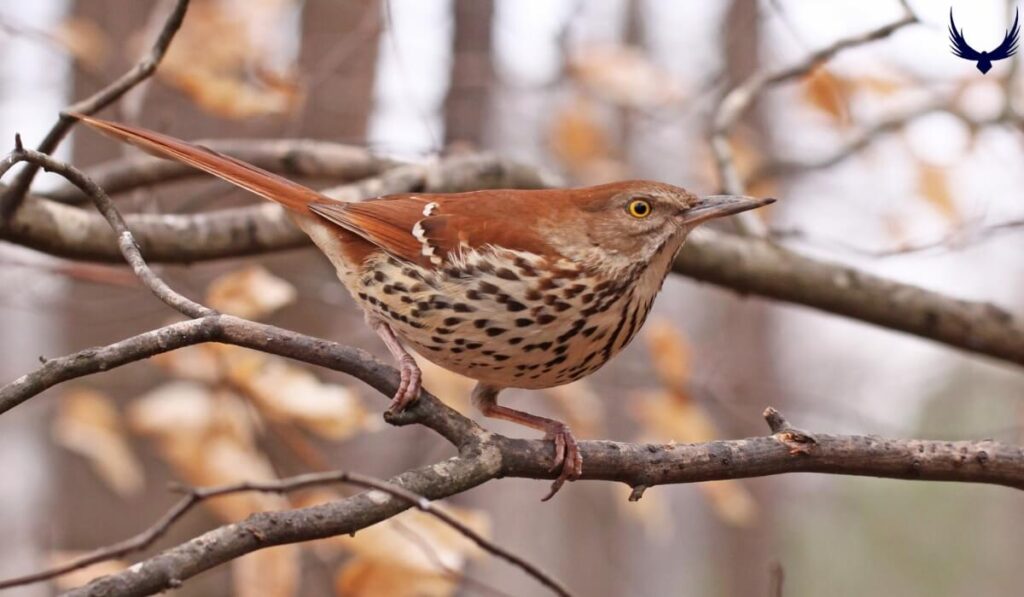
(590, 91)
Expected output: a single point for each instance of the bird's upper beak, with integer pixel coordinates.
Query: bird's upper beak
(717, 206)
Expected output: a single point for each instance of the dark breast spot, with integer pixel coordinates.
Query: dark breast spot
(522, 322)
(513, 305)
(506, 274)
(492, 332)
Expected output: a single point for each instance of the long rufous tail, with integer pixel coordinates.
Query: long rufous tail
(265, 184)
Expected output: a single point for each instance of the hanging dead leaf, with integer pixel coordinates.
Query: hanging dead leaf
(287, 393)
(226, 57)
(419, 541)
(82, 576)
(208, 438)
(826, 93)
(363, 577)
(85, 40)
(251, 292)
(670, 354)
(625, 76)
(577, 136)
(89, 424)
(272, 572)
(195, 363)
(580, 142)
(933, 185)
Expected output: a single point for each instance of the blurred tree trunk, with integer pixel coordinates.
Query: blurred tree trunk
(338, 57)
(744, 555)
(468, 100)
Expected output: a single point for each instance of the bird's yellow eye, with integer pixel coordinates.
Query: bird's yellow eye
(639, 208)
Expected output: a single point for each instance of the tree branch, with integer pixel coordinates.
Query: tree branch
(13, 197)
(195, 496)
(737, 101)
(638, 465)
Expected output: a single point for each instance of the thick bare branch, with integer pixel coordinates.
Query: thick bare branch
(13, 197)
(760, 267)
(638, 465)
(195, 496)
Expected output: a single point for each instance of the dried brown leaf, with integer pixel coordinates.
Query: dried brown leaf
(399, 541)
(208, 438)
(226, 58)
(826, 92)
(251, 292)
(89, 424)
(195, 363)
(670, 354)
(286, 393)
(624, 76)
(272, 572)
(364, 577)
(85, 40)
(577, 137)
(933, 185)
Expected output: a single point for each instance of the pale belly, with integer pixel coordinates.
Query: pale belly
(503, 319)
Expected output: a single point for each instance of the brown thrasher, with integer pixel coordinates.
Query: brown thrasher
(512, 288)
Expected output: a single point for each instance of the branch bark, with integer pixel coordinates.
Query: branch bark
(639, 465)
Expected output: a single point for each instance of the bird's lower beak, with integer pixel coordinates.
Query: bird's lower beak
(717, 206)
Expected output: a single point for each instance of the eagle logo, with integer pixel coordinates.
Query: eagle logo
(961, 48)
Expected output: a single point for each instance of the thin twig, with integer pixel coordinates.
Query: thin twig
(960, 238)
(736, 102)
(126, 241)
(142, 70)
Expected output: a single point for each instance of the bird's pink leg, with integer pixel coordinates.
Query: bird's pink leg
(568, 460)
(409, 384)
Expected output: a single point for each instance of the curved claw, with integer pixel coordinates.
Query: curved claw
(408, 386)
(567, 457)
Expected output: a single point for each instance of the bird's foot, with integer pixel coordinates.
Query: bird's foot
(567, 457)
(408, 386)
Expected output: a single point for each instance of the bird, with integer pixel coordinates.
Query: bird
(961, 48)
(512, 288)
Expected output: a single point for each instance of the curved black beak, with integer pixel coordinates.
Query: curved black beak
(717, 206)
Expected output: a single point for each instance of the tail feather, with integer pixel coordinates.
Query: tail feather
(270, 186)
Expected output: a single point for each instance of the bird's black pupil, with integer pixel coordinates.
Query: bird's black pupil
(640, 208)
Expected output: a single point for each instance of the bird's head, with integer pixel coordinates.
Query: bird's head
(631, 222)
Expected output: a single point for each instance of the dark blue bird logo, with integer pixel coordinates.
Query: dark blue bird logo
(960, 47)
